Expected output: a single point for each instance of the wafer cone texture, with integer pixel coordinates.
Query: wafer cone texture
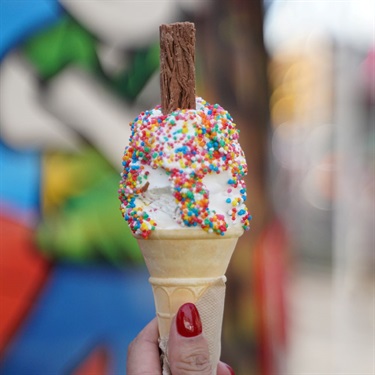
(188, 265)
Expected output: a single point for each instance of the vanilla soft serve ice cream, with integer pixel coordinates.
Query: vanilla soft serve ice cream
(184, 169)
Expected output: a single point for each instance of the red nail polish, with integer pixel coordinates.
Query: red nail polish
(188, 321)
(230, 369)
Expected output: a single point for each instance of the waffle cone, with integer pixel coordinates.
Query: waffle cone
(188, 265)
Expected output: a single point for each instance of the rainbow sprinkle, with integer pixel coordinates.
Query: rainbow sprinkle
(187, 145)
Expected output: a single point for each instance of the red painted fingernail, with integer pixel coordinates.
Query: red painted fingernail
(230, 369)
(188, 321)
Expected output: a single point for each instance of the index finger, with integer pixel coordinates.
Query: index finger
(143, 352)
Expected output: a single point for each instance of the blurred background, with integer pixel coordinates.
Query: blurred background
(299, 79)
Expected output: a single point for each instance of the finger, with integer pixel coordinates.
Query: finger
(187, 348)
(143, 352)
(224, 369)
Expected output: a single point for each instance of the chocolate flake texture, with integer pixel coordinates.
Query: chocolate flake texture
(177, 66)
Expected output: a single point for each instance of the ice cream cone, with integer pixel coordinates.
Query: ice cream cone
(188, 265)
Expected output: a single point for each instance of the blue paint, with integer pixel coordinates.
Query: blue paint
(19, 179)
(19, 19)
(80, 308)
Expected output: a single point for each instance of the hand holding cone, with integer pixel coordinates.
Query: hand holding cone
(188, 265)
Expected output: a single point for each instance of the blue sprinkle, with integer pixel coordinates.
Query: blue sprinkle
(183, 149)
(228, 200)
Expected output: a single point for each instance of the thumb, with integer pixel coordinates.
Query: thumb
(187, 348)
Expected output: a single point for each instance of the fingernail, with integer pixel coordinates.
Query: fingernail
(188, 321)
(230, 369)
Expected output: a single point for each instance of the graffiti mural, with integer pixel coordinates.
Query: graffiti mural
(72, 281)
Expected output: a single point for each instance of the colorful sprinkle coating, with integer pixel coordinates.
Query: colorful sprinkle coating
(187, 145)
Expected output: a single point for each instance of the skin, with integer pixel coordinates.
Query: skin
(187, 356)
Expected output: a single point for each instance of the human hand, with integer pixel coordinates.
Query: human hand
(187, 348)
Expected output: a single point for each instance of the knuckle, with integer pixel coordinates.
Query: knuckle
(194, 363)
